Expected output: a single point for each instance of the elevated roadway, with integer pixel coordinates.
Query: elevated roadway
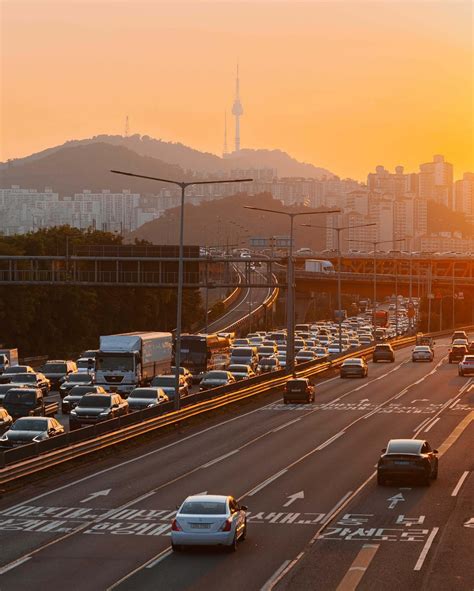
(300, 469)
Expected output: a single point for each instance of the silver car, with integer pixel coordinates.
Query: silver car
(209, 520)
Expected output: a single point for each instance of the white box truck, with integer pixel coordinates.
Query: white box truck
(126, 361)
(318, 266)
(8, 357)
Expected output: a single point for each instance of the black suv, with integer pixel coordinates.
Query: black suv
(93, 408)
(57, 370)
(383, 352)
(457, 353)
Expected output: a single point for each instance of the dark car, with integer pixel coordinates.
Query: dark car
(298, 390)
(457, 353)
(76, 393)
(147, 397)
(56, 370)
(241, 371)
(6, 420)
(5, 377)
(5, 387)
(93, 408)
(458, 334)
(267, 364)
(23, 401)
(31, 429)
(32, 380)
(411, 459)
(74, 379)
(167, 383)
(354, 367)
(383, 352)
(216, 378)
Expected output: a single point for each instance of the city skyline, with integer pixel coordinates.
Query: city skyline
(399, 99)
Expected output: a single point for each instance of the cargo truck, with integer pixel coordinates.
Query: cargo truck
(318, 266)
(126, 361)
(8, 357)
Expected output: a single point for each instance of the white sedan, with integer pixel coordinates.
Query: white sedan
(209, 520)
(422, 353)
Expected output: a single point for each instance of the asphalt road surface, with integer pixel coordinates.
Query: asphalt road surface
(317, 518)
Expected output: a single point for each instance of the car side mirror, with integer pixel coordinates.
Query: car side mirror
(384, 450)
(244, 507)
(435, 451)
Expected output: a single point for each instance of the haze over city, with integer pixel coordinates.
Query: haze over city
(342, 85)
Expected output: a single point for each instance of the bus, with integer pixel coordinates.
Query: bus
(201, 353)
(380, 318)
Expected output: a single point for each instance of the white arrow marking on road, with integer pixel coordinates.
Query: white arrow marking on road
(395, 499)
(294, 497)
(420, 400)
(99, 493)
(469, 522)
(365, 400)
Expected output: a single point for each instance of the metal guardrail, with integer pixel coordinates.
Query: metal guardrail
(30, 459)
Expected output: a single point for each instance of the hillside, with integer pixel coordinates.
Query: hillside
(73, 168)
(188, 158)
(226, 222)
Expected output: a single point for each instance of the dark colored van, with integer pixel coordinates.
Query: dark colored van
(298, 390)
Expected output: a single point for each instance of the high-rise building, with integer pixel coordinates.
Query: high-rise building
(464, 195)
(436, 181)
(383, 181)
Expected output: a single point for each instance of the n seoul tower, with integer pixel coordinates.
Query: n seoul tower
(237, 111)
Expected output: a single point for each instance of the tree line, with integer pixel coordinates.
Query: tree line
(60, 321)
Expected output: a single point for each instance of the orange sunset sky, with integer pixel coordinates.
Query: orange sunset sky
(345, 85)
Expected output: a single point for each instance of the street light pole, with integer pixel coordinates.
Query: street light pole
(290, 298)
(183, 185)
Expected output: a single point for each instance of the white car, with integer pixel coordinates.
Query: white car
(422, 353)
(209, 520)
(466, 366)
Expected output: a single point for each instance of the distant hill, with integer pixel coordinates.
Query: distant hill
(227, 222)
(72, 168)
(189, 159)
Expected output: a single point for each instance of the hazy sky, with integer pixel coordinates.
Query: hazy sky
(343, 84)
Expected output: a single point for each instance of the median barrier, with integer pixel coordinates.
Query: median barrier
(131, 418)
(81, 434)
(12, 456)
(53, 443)
(106, 426)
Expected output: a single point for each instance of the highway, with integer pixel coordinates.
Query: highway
(317, 520)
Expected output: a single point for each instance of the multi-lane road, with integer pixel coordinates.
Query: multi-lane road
(317, 518)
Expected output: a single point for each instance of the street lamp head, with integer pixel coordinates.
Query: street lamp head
(291, 213)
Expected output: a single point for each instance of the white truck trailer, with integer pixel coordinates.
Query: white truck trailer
(126, 361)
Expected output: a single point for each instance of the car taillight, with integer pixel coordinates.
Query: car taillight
(227, 525)
(175, 526)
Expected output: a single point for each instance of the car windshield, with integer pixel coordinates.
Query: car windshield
(164, 381)
(203, 508)
(23, 378)
(85, 363)
(114, 362)
(77, 378)
(238, 368)
(15, 369)
(143, 393)
(55, 368)
(216, 375)
(80, 390)
(269, 361)
(95, 401)
(29, 425)
(20, 397)
(422, 349)
(352, 362)
(409, 446)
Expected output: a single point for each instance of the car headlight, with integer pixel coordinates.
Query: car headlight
(105, 413)
(40, 437)
(4, 438)
(151, 405)
(73, 412)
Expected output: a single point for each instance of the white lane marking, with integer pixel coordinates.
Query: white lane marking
(99, 493)
(139, 568)
(430, 425)
(402, 393)
(286, 425)
(14, 564)
(278, 578)
(459, 484)
(454, 436)
(426, 548)
(422, 424)
(292, 498)
(332, 512)
(265, 483)
(327, 381)
(159, 559)
(220, 458)
(269, 583)
(454, 403)
(330, 440)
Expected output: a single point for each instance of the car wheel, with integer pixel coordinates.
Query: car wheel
(434, 476)
(285, 401)
(381, 480)
(426, 480)
(244, 533)
(461, 373)
(233, 546)
(176, 547)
